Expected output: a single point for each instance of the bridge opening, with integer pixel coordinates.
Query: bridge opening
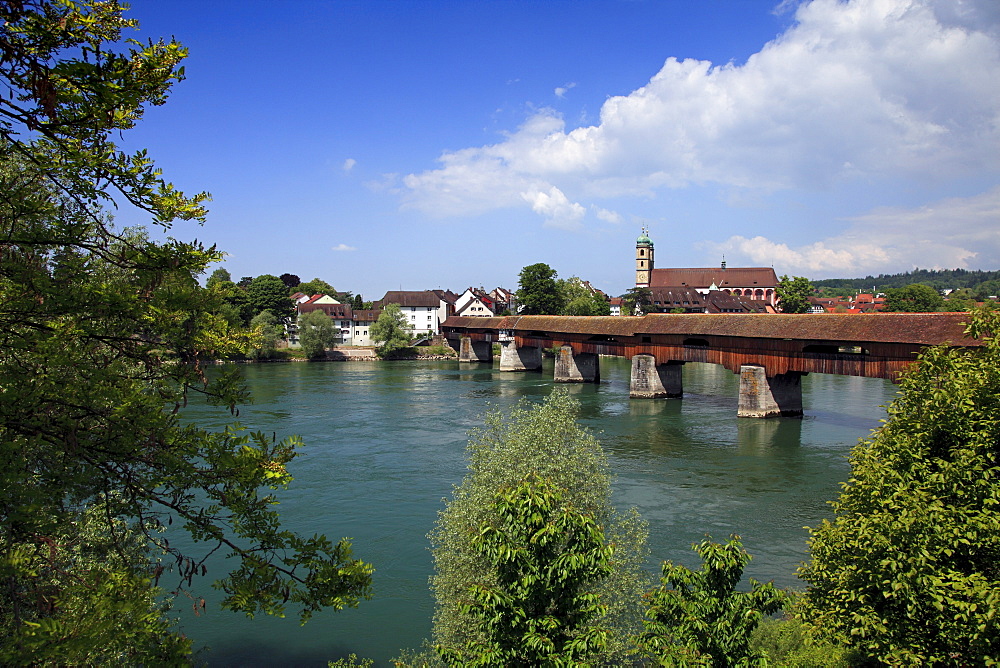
(696, 343)
(602, 338)
(833, 349)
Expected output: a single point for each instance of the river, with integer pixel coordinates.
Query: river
(385, 444)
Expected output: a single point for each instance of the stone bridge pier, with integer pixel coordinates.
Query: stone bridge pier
(474, 351)
(653, 381)
(513, 358)
(576, 368)
(763, 396)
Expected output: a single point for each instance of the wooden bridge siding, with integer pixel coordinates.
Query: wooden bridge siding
(777, 357)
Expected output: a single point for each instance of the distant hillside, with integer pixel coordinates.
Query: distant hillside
(940, 279)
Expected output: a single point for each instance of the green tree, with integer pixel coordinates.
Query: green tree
(549, 556)
(218, 276)
(103, 332)
(358, 303)
(544, 441)
(233, 304)
(697, 618)
(634, 299)
(316, 333)
(269, 332)
(914, 298)
(578, 299)
(907, 570)
(793, 294)
(268, 293)
(316, 286)
(389, 333)
(538, 292)
(83, 601)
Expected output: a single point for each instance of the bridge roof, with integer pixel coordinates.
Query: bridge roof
(914, 328)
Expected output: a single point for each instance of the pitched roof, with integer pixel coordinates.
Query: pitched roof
(413, 298)
(745, 277)
(340, 311)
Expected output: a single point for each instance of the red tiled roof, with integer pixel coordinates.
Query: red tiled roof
(747, 277)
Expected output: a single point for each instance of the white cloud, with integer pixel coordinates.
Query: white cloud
(607, 215)
(853, 91)
(954, 232)
(555, 207)
(349, 164)
(561, 91)
(343, 247)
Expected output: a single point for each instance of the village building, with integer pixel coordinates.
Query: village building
(474, 303)
(749, 289)
(424, 310)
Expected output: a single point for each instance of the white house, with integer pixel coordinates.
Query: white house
(424, 310)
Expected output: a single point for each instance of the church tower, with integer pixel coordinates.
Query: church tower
(643, 260)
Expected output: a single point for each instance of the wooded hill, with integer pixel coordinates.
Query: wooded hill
(939, 279)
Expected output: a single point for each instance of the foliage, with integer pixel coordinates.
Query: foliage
(83, 595)
(907, 571)
(316, 286)
(545, 441)
(789, 642)
(268, 293)
(548, 557)
(352, 661)
(699, 619)
(389, 332)
(232, 303)
(102, 332)
(218, 276)
(269, 332)
(634, 299)
(358, 303)
(291, 281)
(316, 333)
(793, 294)
(578, 299)
(538, 292)
(939, 279)
(914, 298)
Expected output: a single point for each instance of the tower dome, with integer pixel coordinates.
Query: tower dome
(644, 240)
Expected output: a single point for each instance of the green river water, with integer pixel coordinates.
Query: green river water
(385, 444)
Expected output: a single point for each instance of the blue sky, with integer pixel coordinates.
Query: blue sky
(392, 144)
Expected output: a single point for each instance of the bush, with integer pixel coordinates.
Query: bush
(907, 571)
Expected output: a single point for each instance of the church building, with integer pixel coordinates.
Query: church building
(754, 288)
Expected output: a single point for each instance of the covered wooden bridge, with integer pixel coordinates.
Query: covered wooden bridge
(770, 352)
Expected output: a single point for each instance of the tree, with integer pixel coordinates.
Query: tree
(218, 276)
(538, 293)
(793, 294)
(578, 299)
(316, 333)
(291, 281)
(270, 332)
(914, 298)
(549, 557)
(268, 293)
(546, 442)
(316, 286)
(907, 570)
(358, 303)
(103, 332)
(637, 299)
(698, 618)
(389, 332)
